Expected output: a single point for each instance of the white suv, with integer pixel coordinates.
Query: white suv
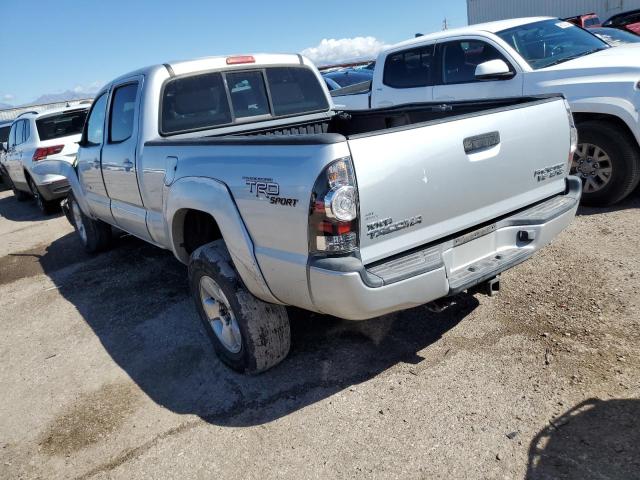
(34, 139)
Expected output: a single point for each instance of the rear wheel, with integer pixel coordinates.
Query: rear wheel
(20, 195)
(608, 163)
(95, 235)
(248, 335)
(45, 206)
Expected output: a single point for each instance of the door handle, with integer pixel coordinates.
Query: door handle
(128, 165)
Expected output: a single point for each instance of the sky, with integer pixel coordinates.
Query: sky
(52, 46)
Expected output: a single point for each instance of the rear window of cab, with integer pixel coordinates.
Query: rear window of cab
(214, 99)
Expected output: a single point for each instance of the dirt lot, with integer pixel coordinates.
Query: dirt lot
(105, 373)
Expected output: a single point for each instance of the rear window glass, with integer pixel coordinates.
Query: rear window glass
(203, 101)
(61, 125)
(295, 90)
(195, 102)
(248, 94)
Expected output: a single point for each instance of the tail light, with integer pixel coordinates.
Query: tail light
(44, 152)
(573, 134)
(333, 213)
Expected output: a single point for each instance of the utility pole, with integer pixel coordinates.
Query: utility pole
(445, 24)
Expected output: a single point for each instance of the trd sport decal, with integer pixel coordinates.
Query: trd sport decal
(267, 188)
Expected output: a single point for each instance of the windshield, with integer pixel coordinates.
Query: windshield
(550, 42)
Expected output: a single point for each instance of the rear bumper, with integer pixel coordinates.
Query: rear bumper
(347, 289)
(55, 190)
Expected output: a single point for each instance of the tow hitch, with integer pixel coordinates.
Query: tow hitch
(491, 287)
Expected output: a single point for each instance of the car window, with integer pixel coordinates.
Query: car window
(409, 68)
(200, 102)
(4, 133)
(123, 106)
(12, 135)
(61, 124)
(460, 59)
(26, 133)
(19, 132)
(95, 123)
(248, 94)
(295, 90)
(195, 102)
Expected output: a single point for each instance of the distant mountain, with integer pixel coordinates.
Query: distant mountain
(4, 106)
(61, 97)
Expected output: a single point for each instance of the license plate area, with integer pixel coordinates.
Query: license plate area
(472, 246)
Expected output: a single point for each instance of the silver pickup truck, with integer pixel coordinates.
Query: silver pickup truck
(241, 167)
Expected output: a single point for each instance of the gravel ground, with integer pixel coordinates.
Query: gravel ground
(105, 372)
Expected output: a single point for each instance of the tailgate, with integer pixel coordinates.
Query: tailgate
(422, 183)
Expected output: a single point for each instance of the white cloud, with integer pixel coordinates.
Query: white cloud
(7, 97)
(331, 50)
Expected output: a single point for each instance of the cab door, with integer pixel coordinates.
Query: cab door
(89, 159)
(457, 61)
(119, 158)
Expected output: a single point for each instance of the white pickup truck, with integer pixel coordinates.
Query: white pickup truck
(527, 56)
(241, 167)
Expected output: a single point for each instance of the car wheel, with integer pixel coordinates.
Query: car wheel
(95, 235)
(20, 195)
(45, 206)
(248, 335)
(608, 163)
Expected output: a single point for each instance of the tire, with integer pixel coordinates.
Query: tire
(253, 335)
(46, 206)
(20, 195)
(617, 172)
(95, 235)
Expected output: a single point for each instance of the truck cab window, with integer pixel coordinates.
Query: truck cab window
(123, 108)
(460, 59)
(248, 94)
(409, 68)
(95, 124)
(194, 102)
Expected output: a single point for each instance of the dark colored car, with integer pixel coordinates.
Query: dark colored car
(629, 21)
(614, 36)
(345, 78)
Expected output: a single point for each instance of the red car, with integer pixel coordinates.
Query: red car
(629, 21)
(588, 20)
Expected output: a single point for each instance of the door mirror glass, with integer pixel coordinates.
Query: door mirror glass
(494, 70)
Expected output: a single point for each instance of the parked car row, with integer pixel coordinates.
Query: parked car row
(530, 56)
(35, 139)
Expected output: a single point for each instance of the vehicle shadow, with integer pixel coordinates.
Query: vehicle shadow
(136, 300)
(596, 439)
(632, 201)
(16, 211)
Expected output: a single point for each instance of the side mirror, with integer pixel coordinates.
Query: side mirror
(494, 70)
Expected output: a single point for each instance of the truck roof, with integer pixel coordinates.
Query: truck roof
(491, 27)
(181, 67)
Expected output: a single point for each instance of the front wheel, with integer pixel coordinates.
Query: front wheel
(248, 335)
(608, 163)
(95, 235)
